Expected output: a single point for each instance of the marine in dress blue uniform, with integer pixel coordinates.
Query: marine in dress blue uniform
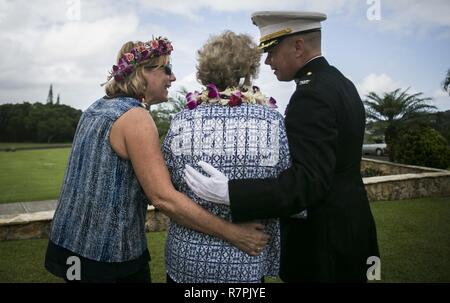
(325, 121)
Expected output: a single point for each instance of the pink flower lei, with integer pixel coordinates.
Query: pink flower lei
(143, 51)
(232, 96)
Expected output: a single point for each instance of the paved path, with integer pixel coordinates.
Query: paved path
(17, 208)
(27, 207)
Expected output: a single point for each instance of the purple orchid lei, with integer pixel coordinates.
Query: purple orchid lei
(232, 96)
(127, 63)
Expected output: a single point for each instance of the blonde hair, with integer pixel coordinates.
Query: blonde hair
(226, 58)
(134, 85)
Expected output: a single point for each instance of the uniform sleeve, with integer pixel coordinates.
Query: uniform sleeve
(312, 134)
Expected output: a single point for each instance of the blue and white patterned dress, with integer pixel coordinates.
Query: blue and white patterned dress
(248, 141)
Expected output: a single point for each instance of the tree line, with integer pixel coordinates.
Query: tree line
(57, 123)
(405, 121)
(37, 122)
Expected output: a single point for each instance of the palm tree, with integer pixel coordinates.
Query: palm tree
(394, 108)
(446, 83)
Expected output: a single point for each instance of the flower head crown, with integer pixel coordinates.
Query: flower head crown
(143, 51)
(232, 96)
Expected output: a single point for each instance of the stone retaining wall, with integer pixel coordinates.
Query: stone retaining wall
(389, 168)
(402, 182)
(37, 225)
(407, 186)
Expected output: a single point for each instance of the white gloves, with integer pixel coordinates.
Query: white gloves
(213, 188)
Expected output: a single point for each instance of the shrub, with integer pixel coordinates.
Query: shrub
(422, 146)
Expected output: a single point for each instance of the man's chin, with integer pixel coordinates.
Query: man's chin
(283, 79)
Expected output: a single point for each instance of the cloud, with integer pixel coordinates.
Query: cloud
(83, 39)
(67, 53)
(383, 83)
(415, 17)
(377, 83)
(440, 93)
(403, 16)
(40, 45)
(192, 8)
(419, 12)
(189, 82)
(441, 99)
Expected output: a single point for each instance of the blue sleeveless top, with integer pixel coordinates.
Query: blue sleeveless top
(248, 141)
(102, 208)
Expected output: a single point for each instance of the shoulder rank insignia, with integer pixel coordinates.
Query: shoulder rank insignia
(303, 82)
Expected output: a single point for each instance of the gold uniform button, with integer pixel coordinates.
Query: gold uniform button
(309, 74)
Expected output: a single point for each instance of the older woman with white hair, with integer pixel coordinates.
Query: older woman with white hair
(233, 126)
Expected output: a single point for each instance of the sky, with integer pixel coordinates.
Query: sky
(381, 45)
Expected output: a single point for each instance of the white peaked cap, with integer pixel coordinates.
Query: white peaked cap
(274, 25)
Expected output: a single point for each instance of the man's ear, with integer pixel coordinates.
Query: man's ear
(299, 45)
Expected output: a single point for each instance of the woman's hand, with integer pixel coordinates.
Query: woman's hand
(250, 238)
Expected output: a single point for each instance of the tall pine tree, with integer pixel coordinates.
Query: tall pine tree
(50, 95)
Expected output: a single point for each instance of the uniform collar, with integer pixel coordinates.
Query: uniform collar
(312, 66)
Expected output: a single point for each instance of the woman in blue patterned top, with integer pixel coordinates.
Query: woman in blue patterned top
(115, 168)
(233, 126)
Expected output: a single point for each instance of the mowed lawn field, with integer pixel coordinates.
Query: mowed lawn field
(32, 175)
(413, 234)
(413, 237)
(26, 145)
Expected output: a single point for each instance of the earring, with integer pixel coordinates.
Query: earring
(143, 95)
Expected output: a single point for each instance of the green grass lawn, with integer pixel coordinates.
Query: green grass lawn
(413, 235)
(32, 175)
(413, 239)
(23, 260)
(25, 144)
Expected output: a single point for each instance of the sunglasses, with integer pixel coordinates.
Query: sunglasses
(167, 68)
